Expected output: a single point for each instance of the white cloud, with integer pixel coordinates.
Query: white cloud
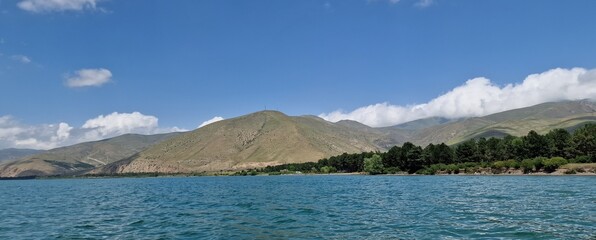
(47, 136)
(89, 78)
(120, 123)
(63, 132)
(479, 97)
(38, 6)
(210, 121)
(21, 58)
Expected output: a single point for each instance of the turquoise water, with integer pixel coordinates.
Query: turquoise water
(301, 207)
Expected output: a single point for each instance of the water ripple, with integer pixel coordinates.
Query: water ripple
(301, 207)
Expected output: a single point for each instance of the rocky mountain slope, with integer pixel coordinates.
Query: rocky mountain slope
(254, 140)
(81, 157)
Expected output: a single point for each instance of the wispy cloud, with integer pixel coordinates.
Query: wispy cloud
(13, 133)
(387, 1)
(417, 3)
(21, 58)
(89, 78)
(210, 121)
(39, 6)
(479, 97)
(424, 3)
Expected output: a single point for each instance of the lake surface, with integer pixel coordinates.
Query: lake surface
(301, 207)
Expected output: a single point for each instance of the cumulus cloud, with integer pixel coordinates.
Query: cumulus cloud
(210, 121)
(45, 136)
(38, 6)
(89, 78)
(120, 123)
(479, 97)
(21, 58)
(13, 133)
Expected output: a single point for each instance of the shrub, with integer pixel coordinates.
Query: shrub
(550, 165)
(373, 165)
(328, 169)
(583, 159)
(452, 168)
(392, 170)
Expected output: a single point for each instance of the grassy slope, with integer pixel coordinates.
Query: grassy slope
(518, 122)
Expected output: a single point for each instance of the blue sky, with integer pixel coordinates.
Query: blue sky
(185, 62)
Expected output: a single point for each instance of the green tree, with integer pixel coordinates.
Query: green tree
(391, 158)
(444, 154)
(507, 148)
(559, 142)
(584, 141)
(518, 148)
(373, 165)
(466, 151)
(415, 161)
(428, 155)
(535, 145)
(482, 150)
(494, 149)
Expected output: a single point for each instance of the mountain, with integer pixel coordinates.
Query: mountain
(422, 123)
(541, 118)
(11, 154)
(254, 140)
(81, 157)
(270, 137)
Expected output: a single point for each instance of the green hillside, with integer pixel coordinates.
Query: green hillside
(517, 122)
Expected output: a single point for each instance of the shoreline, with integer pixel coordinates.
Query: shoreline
(170, 175)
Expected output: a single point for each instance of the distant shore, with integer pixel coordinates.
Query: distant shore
(559, 172)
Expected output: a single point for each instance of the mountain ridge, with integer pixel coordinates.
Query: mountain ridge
(271, 137)
(257, 139)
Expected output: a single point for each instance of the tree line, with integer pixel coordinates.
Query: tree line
(532, 152)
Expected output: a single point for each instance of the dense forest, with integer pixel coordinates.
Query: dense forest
(530, 153)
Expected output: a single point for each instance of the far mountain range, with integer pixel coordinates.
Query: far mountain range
(270, 138)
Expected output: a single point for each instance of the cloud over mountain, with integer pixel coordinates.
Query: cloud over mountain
(15, 134)
(479, 97)
(210, 121)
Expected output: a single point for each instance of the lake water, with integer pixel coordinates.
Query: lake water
(301, 207)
